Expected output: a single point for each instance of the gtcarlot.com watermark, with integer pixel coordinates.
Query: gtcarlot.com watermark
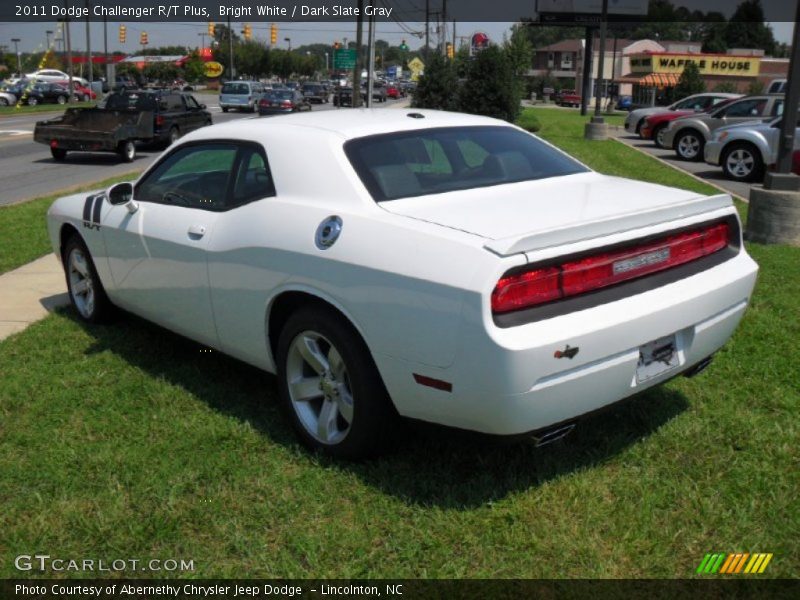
(46, 563)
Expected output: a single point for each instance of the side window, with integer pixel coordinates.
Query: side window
(193, 176)
(174, 102)
(191, 102)
(747, 108)
(777, 109)
(253, 179)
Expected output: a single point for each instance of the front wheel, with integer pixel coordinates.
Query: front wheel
(127, 151)
(33, 101)
(85, 289)
(330, 387)
(743, 162)
(61, 99)
(689, 145)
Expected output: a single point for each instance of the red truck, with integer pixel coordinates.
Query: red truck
(568, 98)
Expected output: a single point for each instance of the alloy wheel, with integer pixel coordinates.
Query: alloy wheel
(740, 163)
(319, 387)
(81, 284)
(689, 146)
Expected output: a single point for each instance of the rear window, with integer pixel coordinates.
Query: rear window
(435, 161)
(130, 101)
(236, 89)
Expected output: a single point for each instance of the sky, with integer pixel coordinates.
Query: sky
(33, 35)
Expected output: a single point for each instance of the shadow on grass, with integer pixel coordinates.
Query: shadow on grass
(433, 466)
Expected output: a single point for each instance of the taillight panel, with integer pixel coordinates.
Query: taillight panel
(562, 285)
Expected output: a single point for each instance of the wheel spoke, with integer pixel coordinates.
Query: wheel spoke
(309, 350)
(80, 287)
(336, 364)
(79, 264)
(326, 425)
(305, 389)
(344, 403)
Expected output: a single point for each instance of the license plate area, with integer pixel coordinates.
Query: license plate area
(657, 357)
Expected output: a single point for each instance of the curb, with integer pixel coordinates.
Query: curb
(671, 166)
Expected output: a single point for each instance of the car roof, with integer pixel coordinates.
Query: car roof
(348, 124)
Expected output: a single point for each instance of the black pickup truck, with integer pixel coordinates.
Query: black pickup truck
(122, 120)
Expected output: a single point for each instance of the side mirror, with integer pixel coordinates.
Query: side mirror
(121, 194)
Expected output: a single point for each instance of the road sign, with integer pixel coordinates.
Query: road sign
(417, 67)
(344, 59)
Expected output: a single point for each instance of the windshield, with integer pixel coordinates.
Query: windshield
(236, 89)
(434, 161)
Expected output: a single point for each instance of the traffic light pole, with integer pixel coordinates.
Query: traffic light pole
(357, 69)
(371, 65)
(230, 49)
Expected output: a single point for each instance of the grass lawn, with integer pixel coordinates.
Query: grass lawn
(127, 441)
(13, 111)
(23, 231)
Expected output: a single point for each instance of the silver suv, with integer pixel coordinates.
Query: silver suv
(688, 135)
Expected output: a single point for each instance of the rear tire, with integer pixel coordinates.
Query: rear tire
(174, 135)
(86, 291)
(59, 154)
(330, 387)
(743, 162)
(127, 151)
(658, 135)
(61, 99)
(33, 101)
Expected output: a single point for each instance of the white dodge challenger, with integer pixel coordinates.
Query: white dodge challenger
(443, 267)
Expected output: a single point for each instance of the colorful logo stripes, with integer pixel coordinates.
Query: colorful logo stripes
(731, 564)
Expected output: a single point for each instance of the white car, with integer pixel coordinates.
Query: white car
(445, 267)
(54, 75)
(697, 102)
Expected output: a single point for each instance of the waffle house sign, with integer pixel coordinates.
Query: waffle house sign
(708, 64)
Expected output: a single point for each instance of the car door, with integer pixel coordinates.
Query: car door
(157, 254)
(196, 116)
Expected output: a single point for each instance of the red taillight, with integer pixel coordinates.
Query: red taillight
(54, 143)
(605, 269)
(288, 103)
(159, 120)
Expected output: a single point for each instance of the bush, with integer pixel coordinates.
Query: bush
(690, 82)
(529, 122)
(725, 87)
(437, 88)
(490, 88)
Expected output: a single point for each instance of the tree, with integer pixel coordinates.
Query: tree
(747, 29)
(249, 58)
(438, 86)
(690, 82)
(490, 88)
(194, 68)
(519, 51)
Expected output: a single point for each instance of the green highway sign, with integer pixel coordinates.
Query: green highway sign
(344, 59)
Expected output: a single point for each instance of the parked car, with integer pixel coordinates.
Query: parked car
(777, 86)
(696, 102)
(282, 101)
(45, 93)
(688, 135)
(624, 103)
(745, 151)
(436, 266)
(125, 82)
(52, 75)
(79, 92)
(656, 124)
(315, 92)
(393, 91)
(568, 98)
(9, 94)
(122, 120)
(241, 95)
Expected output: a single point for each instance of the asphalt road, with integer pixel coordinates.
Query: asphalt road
(700, 169)
(27, 170)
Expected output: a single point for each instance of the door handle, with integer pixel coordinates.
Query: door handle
(197, 231)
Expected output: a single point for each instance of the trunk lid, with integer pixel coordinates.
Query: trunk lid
(531, 215)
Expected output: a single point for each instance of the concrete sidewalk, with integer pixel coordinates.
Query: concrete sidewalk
(29, 293)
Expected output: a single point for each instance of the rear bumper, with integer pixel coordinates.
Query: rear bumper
(509, 382)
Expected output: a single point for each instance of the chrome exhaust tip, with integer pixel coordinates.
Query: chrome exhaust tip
(699, 367)
(548, 436)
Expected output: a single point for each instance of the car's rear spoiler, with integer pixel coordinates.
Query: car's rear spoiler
(576, 232)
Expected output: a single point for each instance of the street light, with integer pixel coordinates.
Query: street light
(288, 41)
(19, 58)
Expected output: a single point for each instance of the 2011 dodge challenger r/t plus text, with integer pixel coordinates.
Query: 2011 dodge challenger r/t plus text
(444, 267)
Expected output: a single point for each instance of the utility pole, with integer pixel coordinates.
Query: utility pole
(48, 33)
(105, 50)
(444, 27)
(357, 69)
(427, 27)
(88, 48)
(202, 41)
(371, 66)
(597, 129)
(230, 49)
(19, 58)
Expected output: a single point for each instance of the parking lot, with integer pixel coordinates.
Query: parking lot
(27, 170)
